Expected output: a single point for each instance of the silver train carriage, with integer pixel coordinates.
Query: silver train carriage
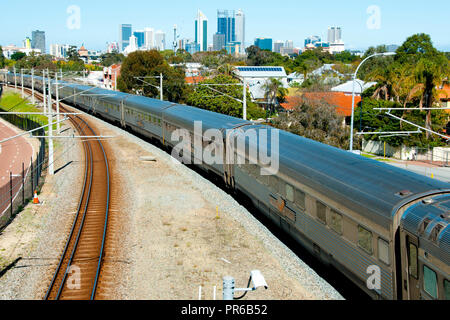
(385, 228)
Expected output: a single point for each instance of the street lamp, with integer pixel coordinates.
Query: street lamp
(353, 92)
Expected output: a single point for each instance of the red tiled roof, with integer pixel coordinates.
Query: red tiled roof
(194, 79)
(444, 93)
(342, 101)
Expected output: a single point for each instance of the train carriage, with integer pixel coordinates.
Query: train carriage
(352, 212)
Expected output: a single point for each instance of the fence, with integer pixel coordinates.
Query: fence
(20, 188)
(437, 156)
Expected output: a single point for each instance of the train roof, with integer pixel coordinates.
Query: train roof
(185, 116)
(146, 104)
(429, 220)
(370, 187)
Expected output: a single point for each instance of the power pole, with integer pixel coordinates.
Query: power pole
(21, 76)
(161, 86)
(32, 86)
(44, 87)
(58, 125)
(50, 131)
(245, 98)
(15, 79)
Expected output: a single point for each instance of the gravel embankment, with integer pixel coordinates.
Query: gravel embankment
(173, 242)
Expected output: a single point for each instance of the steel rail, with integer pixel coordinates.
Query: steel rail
(88, 149)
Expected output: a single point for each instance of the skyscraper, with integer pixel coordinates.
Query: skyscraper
(335, 39)
(240, 29)
(160, 40)
(201, 31)
(140, 36)
(277, 46)
(334, 34)
(218, 41)
(38, 41)
(226, 24)
(124, 35)
(264, 43)
(149, 38)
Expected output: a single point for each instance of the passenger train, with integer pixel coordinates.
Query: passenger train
(385, 228)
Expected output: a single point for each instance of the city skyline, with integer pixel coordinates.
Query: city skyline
(291, 21)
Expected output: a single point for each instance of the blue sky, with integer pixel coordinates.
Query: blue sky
(280, 20)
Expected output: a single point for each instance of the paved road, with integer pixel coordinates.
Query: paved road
(12, 154)
(440, 173)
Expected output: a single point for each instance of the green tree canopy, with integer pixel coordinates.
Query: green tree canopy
(108, 59)
(316, 119)
(373, 120)
(2, 58)
(206, 98)
(151, 64)
(16, 56)
(36, 61)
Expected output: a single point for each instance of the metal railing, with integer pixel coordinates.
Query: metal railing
(16, 192)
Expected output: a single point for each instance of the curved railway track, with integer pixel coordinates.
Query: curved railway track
(78, 272)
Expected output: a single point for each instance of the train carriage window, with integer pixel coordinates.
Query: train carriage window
(413, 260)
(321, 212)
(430, 282)
(300, 199)
(365, 239)
(383, 251)
(447, 289)
(336, 222)
(289, 193)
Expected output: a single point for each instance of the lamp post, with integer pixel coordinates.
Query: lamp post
(353, 91)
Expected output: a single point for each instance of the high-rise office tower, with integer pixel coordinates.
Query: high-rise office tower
(149, 38)
(27, 43)
(160, 40)
(201, 31)
(226, 24)
(38, 41)
(140, 36)
(277, 46)
(264, 43)
(124, 35)
(289, 44)
(334, 34)
(240, 29)
(218, 41)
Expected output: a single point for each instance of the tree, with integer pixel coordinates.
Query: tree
(2, 58)
(372, 121)
(151, 64)
(108, 59)
(315, 119)
(275, 92)
(431, 68)
(16, 56)
(206, 98)
(35, 61)
(73, 55)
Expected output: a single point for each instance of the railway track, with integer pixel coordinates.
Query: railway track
(78, 273)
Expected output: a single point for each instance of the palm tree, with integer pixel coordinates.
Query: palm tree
(275, 92)
(226, 69)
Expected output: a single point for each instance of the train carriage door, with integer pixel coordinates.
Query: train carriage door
(411, 267)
